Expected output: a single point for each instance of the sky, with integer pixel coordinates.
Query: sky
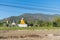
(17, 7)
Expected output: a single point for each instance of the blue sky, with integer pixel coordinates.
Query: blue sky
(17, 7)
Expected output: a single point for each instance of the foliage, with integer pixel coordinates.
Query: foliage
(27, 28)
(1, 24)
(56, 22)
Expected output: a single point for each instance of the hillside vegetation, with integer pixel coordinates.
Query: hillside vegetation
(35, 20)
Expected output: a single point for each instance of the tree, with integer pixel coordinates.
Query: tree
(57, 22)
(1, 24)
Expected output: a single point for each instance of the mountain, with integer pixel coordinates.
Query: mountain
(31, 17)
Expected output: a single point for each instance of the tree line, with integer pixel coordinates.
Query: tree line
(41, 23)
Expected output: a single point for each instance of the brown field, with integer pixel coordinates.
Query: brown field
(30, 34)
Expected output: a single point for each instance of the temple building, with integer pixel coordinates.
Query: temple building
(13, 23)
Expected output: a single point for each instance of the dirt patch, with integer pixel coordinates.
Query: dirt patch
(23, 36)
(30, 34)
(1, 37)
(56, 34)
(34, 36)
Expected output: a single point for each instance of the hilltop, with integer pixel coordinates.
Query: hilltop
(31, 17)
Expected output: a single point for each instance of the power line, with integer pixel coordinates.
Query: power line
(20, 7)
(33, 4)
(29, 8)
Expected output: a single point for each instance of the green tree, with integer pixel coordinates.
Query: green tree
(57, 22)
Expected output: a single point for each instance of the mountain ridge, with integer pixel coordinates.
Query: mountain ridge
(31, 17)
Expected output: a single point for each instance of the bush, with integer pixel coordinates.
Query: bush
(1, 24)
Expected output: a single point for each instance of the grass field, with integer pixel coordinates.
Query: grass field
(27, 28)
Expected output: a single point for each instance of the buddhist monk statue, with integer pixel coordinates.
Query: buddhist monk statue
(22, 21)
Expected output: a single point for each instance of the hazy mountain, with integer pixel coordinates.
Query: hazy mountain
(31, 17)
